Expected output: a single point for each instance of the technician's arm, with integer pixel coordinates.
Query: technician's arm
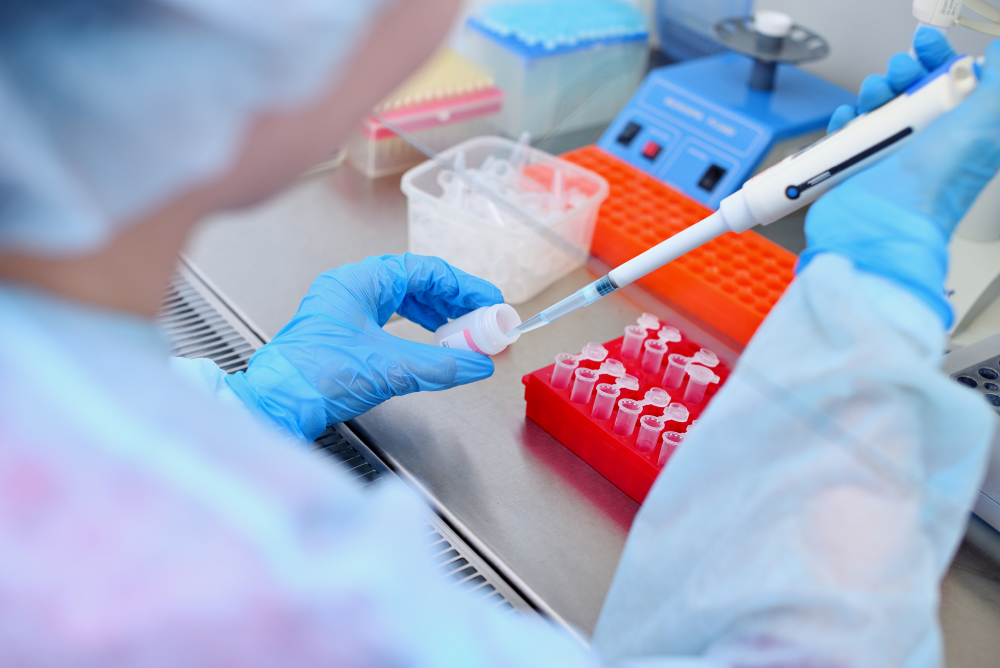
(809, 518)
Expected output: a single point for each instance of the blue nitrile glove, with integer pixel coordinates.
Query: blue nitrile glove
(895, 218)
(333, 361)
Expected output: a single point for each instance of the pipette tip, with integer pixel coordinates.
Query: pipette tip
(534, 322)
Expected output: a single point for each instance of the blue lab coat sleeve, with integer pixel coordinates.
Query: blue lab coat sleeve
(811, 514)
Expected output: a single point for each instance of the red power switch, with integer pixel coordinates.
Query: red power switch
(651, 150)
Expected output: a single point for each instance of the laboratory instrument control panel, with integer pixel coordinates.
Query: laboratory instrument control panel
(699, 128)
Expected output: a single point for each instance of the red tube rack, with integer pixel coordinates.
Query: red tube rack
(731, 282)
(615, 457)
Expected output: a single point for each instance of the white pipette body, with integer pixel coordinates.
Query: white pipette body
(802, 178)
(797, 180)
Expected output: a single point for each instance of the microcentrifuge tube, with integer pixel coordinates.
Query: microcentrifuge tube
(565, 364)
(676, 412)
(583, 385)
(632, 343)
(562, 372)
(698, 382)
(653, 357)
(628, 413)
(650, 427)
(674, 375)
(670, 439)
(705, 357)
(669, 334)
(604, 401)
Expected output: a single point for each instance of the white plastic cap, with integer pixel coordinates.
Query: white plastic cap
(772, 24)
(701, 375)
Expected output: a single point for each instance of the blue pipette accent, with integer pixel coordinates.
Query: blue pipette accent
(585, 296)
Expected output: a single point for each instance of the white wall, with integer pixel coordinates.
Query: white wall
(862, 33)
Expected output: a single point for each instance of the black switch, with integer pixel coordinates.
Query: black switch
(711, 178)
(629, 133)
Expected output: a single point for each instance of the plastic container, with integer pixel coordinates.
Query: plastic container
(563, 370)
(604, 401)
(731, 282)
(650, 427)
(685, 26)
(669, 442)
(699, 379)
(514, 257)
(674, 374)
(483, 331)
(375, 151)
(565, 78)
(449, 100)
(588, 429)
(583, 384)
(652, 357)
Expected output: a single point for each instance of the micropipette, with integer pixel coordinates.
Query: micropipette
(795, 181)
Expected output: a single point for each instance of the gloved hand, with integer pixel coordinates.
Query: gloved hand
(895, 218)
(334, 361)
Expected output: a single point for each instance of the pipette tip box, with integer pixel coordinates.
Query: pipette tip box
(730, 283)
(615, 457)
(450, 100)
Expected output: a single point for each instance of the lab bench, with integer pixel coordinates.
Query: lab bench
(545, 520)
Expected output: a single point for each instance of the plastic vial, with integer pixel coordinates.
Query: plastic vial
(671, 439)
(632, 345)
(583, 385)
(604, 401)
(628, 413)
(562, 372)
(483, 331)
(653, 357)
(650, 427)
(698, 383)
(674, 375)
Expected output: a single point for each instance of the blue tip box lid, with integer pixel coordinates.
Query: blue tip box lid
(553, 27)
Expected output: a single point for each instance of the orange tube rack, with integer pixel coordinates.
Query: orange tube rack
(730, 283)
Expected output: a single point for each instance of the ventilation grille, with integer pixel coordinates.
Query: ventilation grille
(199, 324)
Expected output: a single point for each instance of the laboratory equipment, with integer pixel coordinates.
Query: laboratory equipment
(487, 330)
(977, 366)
(629, 409)
(944, 14)
(636, 334)
(472, 232)
(796, 181)
(730, 283)
(705, 126)
(699, 378)
(565, 65)
(650, 427)
(450, 100)
(603, 422)
(583, 383)
(685, 26)
(671, 439)
(565, 364)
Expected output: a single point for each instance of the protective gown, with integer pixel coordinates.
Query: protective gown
(147, 519)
